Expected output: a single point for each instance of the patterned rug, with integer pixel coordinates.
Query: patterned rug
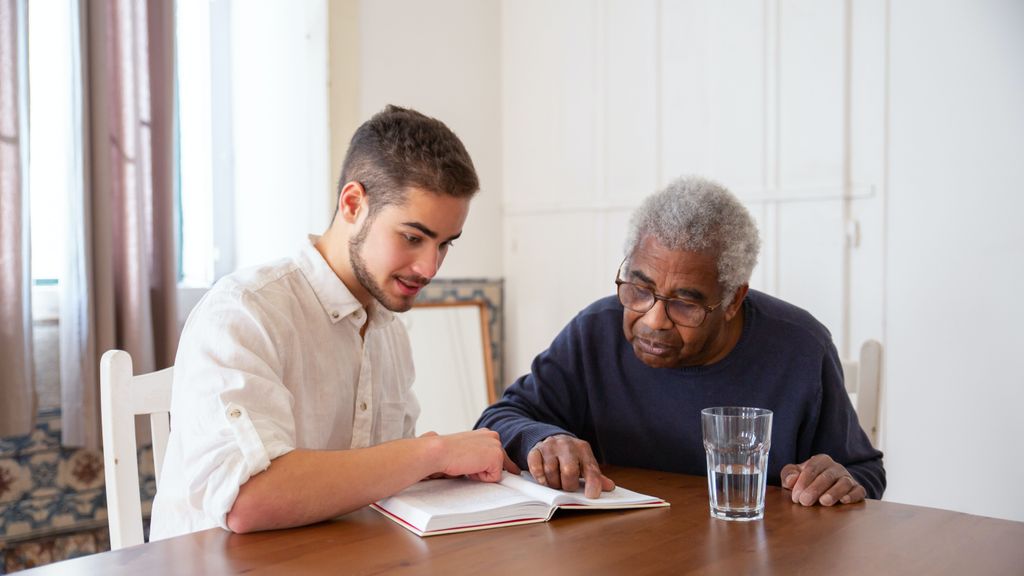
(52, 500)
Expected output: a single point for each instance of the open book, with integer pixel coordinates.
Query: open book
(458, 504)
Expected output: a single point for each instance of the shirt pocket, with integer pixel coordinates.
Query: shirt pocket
(392, 420)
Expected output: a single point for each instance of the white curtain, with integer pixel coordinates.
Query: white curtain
(17, 390)
(120, 285)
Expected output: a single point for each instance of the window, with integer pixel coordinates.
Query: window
(196, 86)
(53, 143)
(253, 141)
(52, 134)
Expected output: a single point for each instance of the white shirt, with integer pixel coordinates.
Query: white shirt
(269, 361)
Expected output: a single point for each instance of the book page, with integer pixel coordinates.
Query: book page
(459, 504)
(460, 496)
(433, 506)
(617, 498)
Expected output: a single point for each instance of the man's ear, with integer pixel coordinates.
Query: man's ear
(352, 202)
(737, 302)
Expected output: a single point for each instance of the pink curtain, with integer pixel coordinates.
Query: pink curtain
(17, 390)
(120, 289)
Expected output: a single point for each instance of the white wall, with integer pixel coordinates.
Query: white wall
(605, 102)
(877, 143)
(955, 371)
(441, 58)
(279, 58)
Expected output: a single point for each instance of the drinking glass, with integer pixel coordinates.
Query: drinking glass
(737, 440)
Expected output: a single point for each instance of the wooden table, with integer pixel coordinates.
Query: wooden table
(869, 538)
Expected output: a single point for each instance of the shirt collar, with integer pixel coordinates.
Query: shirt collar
(335, 298)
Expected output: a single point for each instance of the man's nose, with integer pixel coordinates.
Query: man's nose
(428, 263)
(657, 317)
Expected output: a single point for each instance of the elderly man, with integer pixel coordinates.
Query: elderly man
(625, 381)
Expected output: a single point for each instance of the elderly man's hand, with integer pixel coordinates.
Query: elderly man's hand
(822, 480)
(560, 461)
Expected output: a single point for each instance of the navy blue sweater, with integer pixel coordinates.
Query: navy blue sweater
(590, 384)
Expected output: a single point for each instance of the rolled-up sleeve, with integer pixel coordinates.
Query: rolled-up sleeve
(274, 358)
(234, 412)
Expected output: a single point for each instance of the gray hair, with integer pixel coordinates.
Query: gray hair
(699, 215)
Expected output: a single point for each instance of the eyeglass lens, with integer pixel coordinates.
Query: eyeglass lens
(641, 300)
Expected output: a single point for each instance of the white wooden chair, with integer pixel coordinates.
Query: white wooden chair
(123, 396)
(863, 378)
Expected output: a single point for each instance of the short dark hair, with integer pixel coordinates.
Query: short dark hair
(401, 148)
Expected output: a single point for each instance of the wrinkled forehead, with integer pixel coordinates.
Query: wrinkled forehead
(672, 271)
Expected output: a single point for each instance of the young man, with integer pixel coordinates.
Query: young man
(625, 381)
(291, 398)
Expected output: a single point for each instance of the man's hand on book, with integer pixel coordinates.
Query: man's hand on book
(560, 461)
(477, 454)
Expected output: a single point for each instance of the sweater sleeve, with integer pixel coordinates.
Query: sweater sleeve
(547, 401)
(839, 433)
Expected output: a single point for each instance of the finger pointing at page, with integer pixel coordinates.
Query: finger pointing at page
(560, 461)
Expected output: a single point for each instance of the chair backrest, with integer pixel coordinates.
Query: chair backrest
(863, 378)
(123, 396)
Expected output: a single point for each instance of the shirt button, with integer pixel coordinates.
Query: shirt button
(234, 413)
(335, 314)
(362, 406)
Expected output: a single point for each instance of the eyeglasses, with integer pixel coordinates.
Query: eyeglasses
(641, 299)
